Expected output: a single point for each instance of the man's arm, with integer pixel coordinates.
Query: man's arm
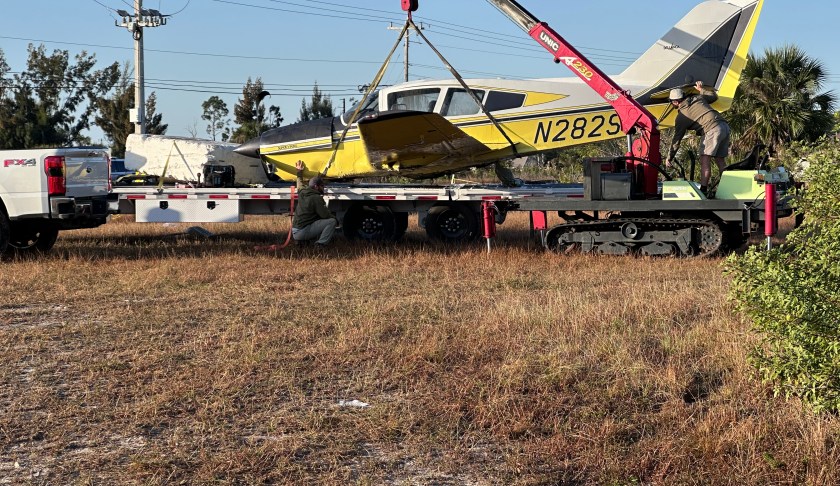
(708, 94)
(679, 133)
(299, 165)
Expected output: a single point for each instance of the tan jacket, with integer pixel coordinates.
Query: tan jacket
(696, 114)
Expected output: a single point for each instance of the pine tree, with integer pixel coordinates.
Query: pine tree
(245, 115)
(320, 106)
(154, 120)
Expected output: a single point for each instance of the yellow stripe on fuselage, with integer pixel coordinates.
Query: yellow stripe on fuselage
(732, 77)
(533, 98)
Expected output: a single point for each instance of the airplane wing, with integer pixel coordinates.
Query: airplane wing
(409, 139)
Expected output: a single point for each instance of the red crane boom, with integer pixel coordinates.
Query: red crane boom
(634, 117)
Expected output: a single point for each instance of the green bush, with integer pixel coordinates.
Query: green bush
(792, 293)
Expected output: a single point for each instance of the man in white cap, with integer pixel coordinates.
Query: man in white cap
(695, 113)
(313, 221)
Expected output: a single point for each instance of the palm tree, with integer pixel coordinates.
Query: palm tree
(779, 101)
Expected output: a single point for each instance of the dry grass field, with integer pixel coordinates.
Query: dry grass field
(134, 355)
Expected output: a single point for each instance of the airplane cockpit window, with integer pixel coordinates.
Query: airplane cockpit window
(414, 99)
(371, 107)
(458, 102)
(502, 100)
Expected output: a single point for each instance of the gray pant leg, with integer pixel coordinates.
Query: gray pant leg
(327, 230)
(323, 230)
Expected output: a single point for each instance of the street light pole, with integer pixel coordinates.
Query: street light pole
(135, 22)
(421, 26)
(139, 74)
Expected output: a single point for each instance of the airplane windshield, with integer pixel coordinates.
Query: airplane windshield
(371, 107)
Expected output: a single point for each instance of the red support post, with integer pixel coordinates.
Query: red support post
(488, 219)
(771, 219)
(539, 224)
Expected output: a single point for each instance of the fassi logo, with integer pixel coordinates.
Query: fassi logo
(19, 162)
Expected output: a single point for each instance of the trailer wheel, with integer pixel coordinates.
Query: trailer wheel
(452, 223)
(4, 231)
(370, 223)
(33, 238)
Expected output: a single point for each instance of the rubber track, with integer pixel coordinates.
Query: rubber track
(650, 224)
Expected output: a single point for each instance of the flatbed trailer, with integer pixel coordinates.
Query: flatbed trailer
(682, 223)
(365, 211)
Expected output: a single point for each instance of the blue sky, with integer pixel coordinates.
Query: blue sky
(211, 47)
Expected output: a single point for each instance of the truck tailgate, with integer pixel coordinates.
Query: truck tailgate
(87, 172)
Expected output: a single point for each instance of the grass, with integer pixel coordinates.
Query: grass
(133, 355)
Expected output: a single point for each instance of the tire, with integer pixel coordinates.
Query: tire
(455, 223)
(5, 231)
(32, 238)
(370, 223)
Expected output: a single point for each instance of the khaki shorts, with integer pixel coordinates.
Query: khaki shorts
(716, 141)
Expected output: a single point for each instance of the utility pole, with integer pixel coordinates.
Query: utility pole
(407, 36)
(135, 23)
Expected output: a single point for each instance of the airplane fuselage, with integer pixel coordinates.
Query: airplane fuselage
(536, 115)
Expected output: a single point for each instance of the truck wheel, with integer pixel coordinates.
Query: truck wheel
(370, 223)
(452, 223)
(33, 239)
(4, 231)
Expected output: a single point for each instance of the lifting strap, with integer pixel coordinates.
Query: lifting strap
(378, 78)
(464, 85)
(166, 167)
(373, 85)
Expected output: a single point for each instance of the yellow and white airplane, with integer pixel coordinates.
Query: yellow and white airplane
(424, 129)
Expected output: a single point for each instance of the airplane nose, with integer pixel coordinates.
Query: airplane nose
(251, 148)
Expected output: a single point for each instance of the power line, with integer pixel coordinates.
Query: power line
(231, 56)
(188, 53)
(198, 86)
(182, 9)
(318, 13)
(126, 3)
(103, 5)
(502, 39)
(459, 28)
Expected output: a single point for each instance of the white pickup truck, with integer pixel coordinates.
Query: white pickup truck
(44, 191)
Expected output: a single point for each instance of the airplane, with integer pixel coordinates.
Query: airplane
(425, 129)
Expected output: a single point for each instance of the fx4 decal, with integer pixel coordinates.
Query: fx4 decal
(20, 163)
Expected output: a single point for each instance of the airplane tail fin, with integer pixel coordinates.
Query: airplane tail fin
(709, 44)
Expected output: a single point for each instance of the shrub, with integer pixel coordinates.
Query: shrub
(792, 294)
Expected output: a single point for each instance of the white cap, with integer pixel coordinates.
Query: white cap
(676, 94)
